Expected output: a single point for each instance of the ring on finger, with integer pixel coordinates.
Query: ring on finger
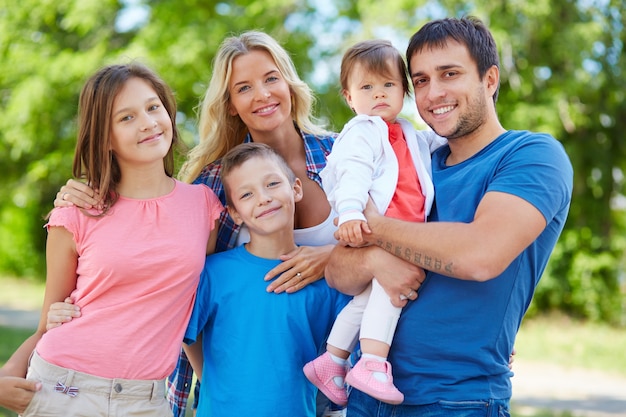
(63, 196)
(298, 275)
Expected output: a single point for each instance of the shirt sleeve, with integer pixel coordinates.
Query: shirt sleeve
(540, 172)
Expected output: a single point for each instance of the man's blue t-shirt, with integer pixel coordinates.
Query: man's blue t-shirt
(453, 343)
(256, 343)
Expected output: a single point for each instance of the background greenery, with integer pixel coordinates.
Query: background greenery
(562, 73)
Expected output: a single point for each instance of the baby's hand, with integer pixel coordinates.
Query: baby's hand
(62, 312)
(351, 232)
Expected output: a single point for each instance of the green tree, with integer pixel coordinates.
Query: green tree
(562, 72)
(50, 47)
(46, 49)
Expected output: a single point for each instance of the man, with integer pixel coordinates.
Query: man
(501, 200)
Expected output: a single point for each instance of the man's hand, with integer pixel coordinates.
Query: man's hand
(400, 279)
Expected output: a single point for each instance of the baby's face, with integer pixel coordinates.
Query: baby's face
(376, 94)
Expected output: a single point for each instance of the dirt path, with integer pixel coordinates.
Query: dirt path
(583, 392)
(26, 319)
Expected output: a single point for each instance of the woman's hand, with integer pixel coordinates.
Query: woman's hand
(75, 193)
(62, 312)
(299, 268)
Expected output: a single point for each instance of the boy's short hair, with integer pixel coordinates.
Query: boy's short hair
(246, 151)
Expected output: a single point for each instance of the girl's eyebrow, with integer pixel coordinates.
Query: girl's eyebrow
(127, 109)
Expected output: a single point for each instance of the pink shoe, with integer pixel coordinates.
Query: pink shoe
(362, 378)
(321, 372)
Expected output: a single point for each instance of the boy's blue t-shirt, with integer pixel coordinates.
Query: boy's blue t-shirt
(256, 343)
(454, 342)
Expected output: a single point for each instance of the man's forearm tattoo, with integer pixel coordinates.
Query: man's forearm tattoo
(417, 258)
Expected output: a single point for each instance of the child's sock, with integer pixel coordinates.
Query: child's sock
(380, 376)
(338, 380)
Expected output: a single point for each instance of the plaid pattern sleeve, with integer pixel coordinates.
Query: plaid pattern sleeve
(317, 149)
(228, 230)
(178, 385)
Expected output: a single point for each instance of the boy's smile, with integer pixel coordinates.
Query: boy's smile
(263, 197)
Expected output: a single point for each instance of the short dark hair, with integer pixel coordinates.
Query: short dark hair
(469, 31)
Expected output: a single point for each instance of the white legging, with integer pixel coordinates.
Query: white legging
(372, 313)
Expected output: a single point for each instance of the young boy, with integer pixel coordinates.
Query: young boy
(251, 345)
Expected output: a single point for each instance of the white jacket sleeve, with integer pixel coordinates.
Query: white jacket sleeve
(351, 165)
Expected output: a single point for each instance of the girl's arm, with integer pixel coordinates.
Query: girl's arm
(210, 247)
(61, 262)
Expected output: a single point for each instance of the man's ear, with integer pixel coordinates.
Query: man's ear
(298, 192)
(492, 80)
(235, 215)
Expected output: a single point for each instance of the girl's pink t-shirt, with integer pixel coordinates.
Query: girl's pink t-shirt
(138, 269)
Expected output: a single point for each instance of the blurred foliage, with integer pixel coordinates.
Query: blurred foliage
(562, 71)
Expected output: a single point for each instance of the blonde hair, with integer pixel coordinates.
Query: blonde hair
(220, 131)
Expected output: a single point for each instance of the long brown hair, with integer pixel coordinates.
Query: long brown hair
(93, 160)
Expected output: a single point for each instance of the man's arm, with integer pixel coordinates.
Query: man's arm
(504, 225)
(350, 270)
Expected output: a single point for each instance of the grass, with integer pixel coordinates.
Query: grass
(10, 339)
(555, 339)
(574, 344)
(21, 293)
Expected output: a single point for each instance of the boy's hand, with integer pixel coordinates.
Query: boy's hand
(62, 312)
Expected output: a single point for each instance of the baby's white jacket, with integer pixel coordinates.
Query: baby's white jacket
(362, 163)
